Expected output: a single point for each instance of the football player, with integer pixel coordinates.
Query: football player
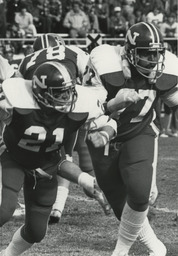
(50, 47)
(128, 175)
(41, 116)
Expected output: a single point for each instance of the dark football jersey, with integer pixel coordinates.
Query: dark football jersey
(34, 138)
(134, 118)
(63, 54)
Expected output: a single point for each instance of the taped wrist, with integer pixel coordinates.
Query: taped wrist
(104, 136)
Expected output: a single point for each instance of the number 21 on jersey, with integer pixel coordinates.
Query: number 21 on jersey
(38, 136)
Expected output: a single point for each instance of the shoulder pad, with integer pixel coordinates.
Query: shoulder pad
(106, 59)
(169, 78)
(18, 92)
(76, 120)
(78, 117)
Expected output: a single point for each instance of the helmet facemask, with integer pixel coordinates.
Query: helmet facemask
(152, 67)
(145, 49)
(62, 100)
(55, 90)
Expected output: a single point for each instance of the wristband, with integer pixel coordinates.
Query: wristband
(105, 137)
(69, 158)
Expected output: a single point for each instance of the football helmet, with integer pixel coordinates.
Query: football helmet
(145, 49)
(47, 40)
(54, 87)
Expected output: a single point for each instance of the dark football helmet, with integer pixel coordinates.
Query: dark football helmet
(47, 40)
(54, 87)
(145, 39)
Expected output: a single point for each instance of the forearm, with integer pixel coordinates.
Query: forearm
(110, 129)
(123, 99)
(69, 171)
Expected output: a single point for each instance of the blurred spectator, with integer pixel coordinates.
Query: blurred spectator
(28, 49)
(66, 6)
(112, 4)
(29, 4)
(1, 47)
(156, 16)
(169, 28)
(128, 7)
(76, 21)
(102, 12)
(44, 18)
(159, 5)
(2, 18)
(34, 9)
(89, 9)
(14, 32)
(9, 52)
(24, 20)
(145, 6)
(118, 24)
(139, 16)
(176, 14)
(12, 7)
(55, 13)
(173, 4)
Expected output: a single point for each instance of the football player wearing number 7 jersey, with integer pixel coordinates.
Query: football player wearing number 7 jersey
(42, 115)
(128, 175)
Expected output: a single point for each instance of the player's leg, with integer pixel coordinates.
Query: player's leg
(62, 194)
(108, 176)
(11, 181)
(39, 195)
(137, 172)
(148, 237)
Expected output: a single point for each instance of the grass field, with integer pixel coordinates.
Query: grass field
(84, 230)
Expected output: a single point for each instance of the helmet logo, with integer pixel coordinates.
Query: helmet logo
(39, 83)
(132, 39)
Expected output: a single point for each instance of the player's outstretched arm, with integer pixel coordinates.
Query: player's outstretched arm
(73, 173)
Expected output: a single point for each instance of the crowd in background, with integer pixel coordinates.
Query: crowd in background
(113, 17)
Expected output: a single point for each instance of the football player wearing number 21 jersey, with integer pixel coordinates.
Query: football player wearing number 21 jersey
(41, 116)
(51, 47)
